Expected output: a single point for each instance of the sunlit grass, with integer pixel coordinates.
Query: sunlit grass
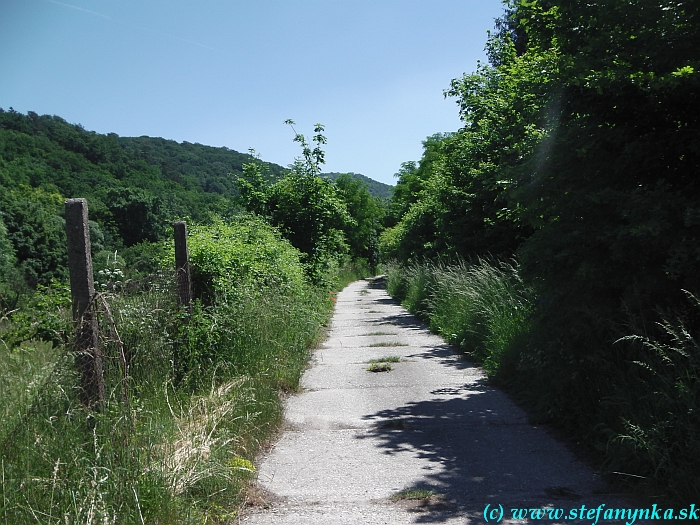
(161, 450)
(482, 308)
(23, 371)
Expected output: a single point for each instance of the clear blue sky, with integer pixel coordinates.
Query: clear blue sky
(229, 72)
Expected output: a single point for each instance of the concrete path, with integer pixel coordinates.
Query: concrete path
(356, 438)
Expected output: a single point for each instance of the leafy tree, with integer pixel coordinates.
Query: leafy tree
(311, 160)
(309, 212)
(307, 209)
(253, 188)
(362, 233)
(452, 202)
(37, 233)
(579, 154)
(612, 190)
(137, 215)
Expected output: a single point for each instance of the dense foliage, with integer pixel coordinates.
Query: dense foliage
(192, 393)
(328, 222)
(136, 187)
(579, 156)
(191, 396)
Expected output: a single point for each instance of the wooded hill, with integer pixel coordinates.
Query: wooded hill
(375, 188)
(135, 186)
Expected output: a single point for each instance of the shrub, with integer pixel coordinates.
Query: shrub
(248, 254)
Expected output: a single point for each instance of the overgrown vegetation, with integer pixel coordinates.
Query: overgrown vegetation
(190, 398)
(578, 159)
(330, 223)
(482, 308)
(136, 188)
(637, 408)
(192, 393)
(572, 187)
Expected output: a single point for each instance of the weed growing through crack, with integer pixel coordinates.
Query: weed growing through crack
(416, 494)
(379, 367)
(379, 333)
(392, 343)
(382, 364)
(387, 359)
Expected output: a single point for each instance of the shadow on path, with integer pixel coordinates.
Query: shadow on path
(402, 320)
(479, 447)
(481, 450)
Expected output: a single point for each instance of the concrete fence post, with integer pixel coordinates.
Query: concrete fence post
(184, 291)
(182, 265)
(87, 359)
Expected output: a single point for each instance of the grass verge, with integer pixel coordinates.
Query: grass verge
(159, 451)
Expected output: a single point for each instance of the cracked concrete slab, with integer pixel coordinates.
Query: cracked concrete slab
(357, 438)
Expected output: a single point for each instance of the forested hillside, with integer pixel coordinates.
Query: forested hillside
(180, 397)
(136, 187)
(579, 159)
(377, 189)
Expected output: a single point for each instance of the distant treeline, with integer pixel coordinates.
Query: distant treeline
(375, 188)
(135, 186)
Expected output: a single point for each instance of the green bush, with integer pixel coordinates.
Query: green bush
(45, 316)
(226, 258)
(160, 450)
(255, 305)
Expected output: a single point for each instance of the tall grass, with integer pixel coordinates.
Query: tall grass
(160, 450)
(483, 308)
(23, 372)
(658, 440)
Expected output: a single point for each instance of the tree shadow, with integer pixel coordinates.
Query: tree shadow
(447, 353)
(404, 320)
(447, 356)
(378, 283)
(479, 449)
(386, 300)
